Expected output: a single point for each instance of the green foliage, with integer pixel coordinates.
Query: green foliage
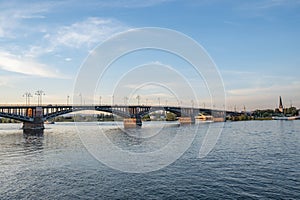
(64, 119)
(260, 114)
(85, 118)
(105, 117)
(7, 120)
(292, 111)
(170, 116)
(146, 118)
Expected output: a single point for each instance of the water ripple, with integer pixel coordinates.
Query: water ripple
(252, 160)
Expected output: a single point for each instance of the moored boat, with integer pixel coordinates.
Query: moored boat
(286, 118)
(49, 122)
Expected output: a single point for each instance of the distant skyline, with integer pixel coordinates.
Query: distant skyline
(254, 43)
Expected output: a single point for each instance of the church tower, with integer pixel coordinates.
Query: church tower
(280, 105)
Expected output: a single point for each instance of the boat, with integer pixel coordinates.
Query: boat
(204, 117)
(280, 118)
(294, 118)
(286, 118)
(49, 122)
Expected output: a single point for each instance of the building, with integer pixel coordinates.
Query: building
(280, 108)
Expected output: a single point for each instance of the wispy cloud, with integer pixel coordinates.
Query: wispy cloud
(293, 86)
(24, 57)
(16, 64)
(128, 3)
(258, 90)
(13, 14)
(5, 80)
(261, 6)
(263, 97)
(267, 4)
(86, 33)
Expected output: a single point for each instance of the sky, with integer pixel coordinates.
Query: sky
(254, 44)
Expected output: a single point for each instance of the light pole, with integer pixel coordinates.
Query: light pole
(80, 95)
(68, 97)
(27, 96)
(125, 100)
(158, 101)
(100, 98)
(113, 100)
(40, 93)
(146, 102)
(138, 98)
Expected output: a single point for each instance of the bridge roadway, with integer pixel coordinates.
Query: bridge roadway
(33, 117)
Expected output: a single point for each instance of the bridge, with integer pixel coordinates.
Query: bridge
(33, 117)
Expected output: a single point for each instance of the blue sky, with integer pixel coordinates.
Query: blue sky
(254, 43)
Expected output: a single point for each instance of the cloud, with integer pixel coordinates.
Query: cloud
(267, 4)
(86, 33)
(278, 88)
(127, 3)
(259, 7)
(23, 65)
(264, 97)
(5, 80)
(13, 15)
(259, 90)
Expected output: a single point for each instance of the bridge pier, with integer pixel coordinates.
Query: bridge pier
(187, 120)
(37, 125)
(33, 128)
(134, 122)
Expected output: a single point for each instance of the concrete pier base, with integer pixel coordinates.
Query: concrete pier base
(37, 125)
(219, 119)
(186, 120)
(31, 126)
(132, 122)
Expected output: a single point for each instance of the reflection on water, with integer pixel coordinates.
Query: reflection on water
(33, 132)
(252, 160)
(33, 141)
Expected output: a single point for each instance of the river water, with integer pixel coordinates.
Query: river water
(251, 160)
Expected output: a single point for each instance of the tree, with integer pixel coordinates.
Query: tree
(170, 116)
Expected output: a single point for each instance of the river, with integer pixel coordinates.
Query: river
(251, 160)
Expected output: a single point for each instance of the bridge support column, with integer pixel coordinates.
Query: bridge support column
(132, 122)
(219, 119)
(219, 116)
(193, 119)
(187, 120)
(28, 126)
(37, 125)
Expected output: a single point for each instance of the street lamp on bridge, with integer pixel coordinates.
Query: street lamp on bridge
(80, 95)
(27, 96)
(40, 93)
(68, 97)
(138, 98)
(125, 100)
